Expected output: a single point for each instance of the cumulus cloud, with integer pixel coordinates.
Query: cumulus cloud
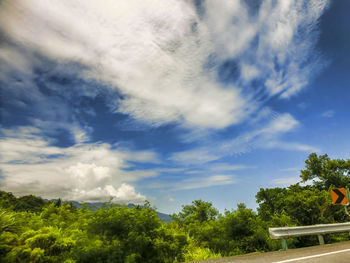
(205, 66)
(84, 172)
(124, 194)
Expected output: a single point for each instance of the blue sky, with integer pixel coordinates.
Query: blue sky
(170, 101)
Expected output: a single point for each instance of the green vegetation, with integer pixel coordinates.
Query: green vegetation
(35, 230)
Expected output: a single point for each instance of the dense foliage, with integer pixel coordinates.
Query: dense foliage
(35, 230)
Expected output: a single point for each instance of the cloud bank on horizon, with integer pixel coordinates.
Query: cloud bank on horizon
(83, 172)
(202, 65)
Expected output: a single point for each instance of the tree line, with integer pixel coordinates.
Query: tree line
(35, 230)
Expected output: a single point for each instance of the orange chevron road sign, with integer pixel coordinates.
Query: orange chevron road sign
(339, 196)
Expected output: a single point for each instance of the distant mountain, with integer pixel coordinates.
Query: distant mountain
(94, 206)
(164, 217)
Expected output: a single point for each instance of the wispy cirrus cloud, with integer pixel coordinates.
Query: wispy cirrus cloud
(265, 137)
(203, 182)
(328, 114)
(207, 65)
(286, 180)
(194, 182)
(291, 169)
(195, 176)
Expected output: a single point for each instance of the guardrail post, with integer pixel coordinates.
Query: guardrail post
(320, 239)
(284, 244)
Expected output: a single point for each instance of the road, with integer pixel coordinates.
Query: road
(334, 253)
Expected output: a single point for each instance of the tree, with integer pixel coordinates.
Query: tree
(48, 244)
(271, 202)
(200, 211)
(244, 231)
(7, 200)
(25, 203)
(29, 203)
(326, 172)
(137, 233)
(8, 232)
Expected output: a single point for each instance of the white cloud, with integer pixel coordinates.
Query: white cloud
(223, 167)
(169, 170)
(195, 175)
(80, 135)
(285, 180)
(289, 146)
(194, 156)
(89, 172)
(283, 123)
(291, 169)
(203, 182)
(155, 53)
(328, 114)
(302, 105)
(194, 182)
(124, 194)
(267, 136)
(77, 133)
(142, 156)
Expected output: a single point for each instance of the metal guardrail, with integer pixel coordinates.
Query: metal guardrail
(297, 231)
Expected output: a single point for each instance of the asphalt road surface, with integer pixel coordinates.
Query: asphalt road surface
(334, 253)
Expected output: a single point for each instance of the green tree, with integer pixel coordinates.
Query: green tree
(29, 203)
(48, 244)
(271, 202)
(326, 172)
(305, 205)
(9, 227)
(7, 200)
(24, 203)
(200, 211)
(244, 231)
(137, 233)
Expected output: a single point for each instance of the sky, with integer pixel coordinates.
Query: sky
(170, 101)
